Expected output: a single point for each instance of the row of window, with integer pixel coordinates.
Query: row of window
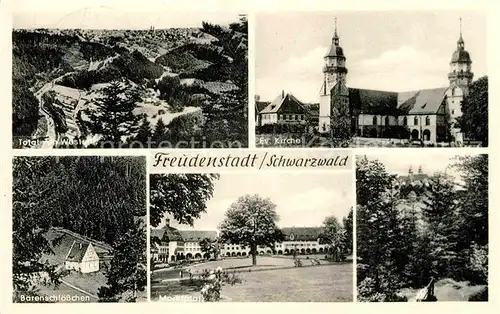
(405, 120)
(285, 117)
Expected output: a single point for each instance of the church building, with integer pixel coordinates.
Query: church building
(428, 115)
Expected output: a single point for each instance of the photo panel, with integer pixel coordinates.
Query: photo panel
(251, 237)
(422, 227)
(79, 230)
(371, 79)
(102, 77)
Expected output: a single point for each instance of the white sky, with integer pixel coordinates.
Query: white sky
(398, 162)
(114, 14)
(385, 50)
(302, 199)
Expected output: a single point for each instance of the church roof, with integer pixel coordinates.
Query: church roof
(426, 101)
(335, 51)
(373, 101)
(461, 55)
(285, 103)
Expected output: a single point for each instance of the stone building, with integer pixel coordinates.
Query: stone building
(428, 115)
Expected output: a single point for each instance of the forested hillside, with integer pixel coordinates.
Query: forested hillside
(85, 61)
(102, 198)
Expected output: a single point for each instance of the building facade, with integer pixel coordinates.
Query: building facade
(428, 115)
(169, 244)
(82, 257)
(284, 109)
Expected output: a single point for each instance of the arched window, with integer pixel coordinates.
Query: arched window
(405, 121)
(387, 120)
(374, 122)
(427, 120)
(415, 121)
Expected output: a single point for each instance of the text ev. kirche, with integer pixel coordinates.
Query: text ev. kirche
(251, 160)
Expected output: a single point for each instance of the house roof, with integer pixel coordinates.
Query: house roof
(166, 234)
(61, 242)
(77, 251)
(259, 105)
(286, 103)
(302, 233)
(196, 235)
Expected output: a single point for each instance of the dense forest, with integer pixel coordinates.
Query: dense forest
(439, 234)
(40, 57)
(102, 198)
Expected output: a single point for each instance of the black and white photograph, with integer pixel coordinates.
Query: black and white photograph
(255, 237)
(79, 230)
(104, 77)
(422, 227)
(371, 79)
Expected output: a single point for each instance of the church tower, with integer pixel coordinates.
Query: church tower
(460, 66)
(460, 78)
(334, 72)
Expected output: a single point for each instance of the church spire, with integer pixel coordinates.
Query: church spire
(335, 38)
(460, 42)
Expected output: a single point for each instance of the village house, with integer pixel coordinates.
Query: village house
(284, 109)
(82, 257)
(73, 251)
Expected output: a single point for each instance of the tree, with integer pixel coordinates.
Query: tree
(474, 119)
(184, 196)
(210, 247)
(333, 235)
(159, 132)
(251, 221)
(348, 230)
(127, 273)
(144, 133)
(379, 234)
(113, 116)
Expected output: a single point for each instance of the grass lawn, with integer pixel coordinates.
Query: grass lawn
(328, 283)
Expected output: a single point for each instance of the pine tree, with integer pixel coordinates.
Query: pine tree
(144, 134)
(159, 133)
(113, 116)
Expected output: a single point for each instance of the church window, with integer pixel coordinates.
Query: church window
(415, 121)
(374, 122)
(405, 121)
(427, 120)
(452, 111)
(453, 92)
(387, 120)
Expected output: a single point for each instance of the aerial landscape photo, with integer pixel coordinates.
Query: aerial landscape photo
(79, 229)
(79, 82)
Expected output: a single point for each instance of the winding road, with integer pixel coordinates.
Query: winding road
(51, 136)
